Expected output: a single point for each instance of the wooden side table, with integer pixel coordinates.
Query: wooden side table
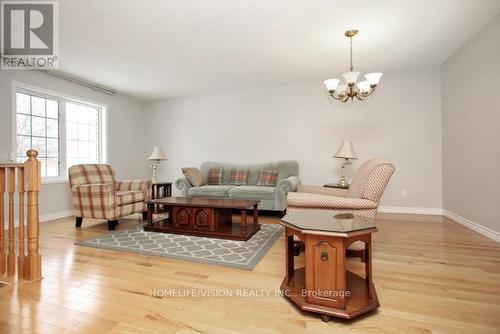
(324, 285)
(161, 190)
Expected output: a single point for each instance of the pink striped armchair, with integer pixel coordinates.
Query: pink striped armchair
(97, 194)
(362, 198)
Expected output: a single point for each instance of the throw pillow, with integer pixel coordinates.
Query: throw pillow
(239, 177)
(268, 178)
(194, 175)
(215, 176)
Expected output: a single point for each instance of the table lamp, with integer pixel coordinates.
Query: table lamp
(156, 156)
(346, 152)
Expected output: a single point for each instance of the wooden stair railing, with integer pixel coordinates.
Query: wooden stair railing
(29, 261)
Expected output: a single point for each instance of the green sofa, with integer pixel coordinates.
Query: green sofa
(271, 198)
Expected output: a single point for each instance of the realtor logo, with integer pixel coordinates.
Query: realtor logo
(30, 34)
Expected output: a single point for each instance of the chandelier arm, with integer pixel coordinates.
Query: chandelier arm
(360, 97)
(337, 97)
(370, 92)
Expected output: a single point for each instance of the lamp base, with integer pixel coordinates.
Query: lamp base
(343, 179)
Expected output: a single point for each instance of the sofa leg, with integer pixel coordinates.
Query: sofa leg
(112, 224)
(79, 221)
(144, 215)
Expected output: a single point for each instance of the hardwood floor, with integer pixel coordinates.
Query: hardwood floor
(431, 274)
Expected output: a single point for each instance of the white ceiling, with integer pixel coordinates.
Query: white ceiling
(164, 48)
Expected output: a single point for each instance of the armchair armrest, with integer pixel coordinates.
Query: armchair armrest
(322, 190)
(291, 183)
(318, 201)
(94, 200)
(183, 185)
(138, 185)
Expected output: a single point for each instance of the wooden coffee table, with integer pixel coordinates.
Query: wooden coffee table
(204, 217)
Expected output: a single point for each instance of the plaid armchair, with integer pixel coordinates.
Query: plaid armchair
(97, 194)
(362, 198)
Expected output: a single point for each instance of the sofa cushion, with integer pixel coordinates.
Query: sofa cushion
(252, 192)
(210, 191)
(128, 197)
(215, 176)
(268, 178)
(194, 175)
(239, 176)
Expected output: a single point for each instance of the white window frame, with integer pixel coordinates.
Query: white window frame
(22, 88)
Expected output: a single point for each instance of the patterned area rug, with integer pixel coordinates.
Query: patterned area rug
(230, 253)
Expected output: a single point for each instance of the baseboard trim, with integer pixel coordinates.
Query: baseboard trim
(493, 235)
(44, 218)
(411, 210)
(56, 215)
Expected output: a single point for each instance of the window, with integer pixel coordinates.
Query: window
(65, 132)
(38, 128)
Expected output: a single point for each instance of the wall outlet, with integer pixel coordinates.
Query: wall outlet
(404, 193)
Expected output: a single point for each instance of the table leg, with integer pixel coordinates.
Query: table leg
(255, 215)
(244, 222)
(368, 267)
(290, 268)
(151, 208)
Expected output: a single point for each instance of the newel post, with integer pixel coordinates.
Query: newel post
(33, 261)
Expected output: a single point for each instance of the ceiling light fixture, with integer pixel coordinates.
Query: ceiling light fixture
(350, 90)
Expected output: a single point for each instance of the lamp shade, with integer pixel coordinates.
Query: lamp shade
(350, 77)
(157, 154)
(373, 78)
(331, 84)
(346, 151)
(364, 86)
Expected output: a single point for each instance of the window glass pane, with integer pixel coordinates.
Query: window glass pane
(82, 129)
(83, 115)
(93, 116)
(83, 150)
(52, 109)
(38, 126)
(93, 133)
(23, 124)
(52, 167)
(72, 162)
(71, 130)
(38, 106)
(72, 149)
(93, 152)
(52, 147)
(52, 128)
(39, 145)
(83, 132)
(71, 112)
(23, 103)
(43, 163)
(23, 145)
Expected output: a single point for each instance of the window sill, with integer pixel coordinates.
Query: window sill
(54, 180)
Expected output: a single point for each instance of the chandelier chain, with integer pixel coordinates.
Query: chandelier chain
(350, 38)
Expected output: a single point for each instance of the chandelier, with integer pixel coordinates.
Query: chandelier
(351, 90)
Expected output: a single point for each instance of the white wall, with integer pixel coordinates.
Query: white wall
(471, 129)
(401, 122)
(127, 148)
